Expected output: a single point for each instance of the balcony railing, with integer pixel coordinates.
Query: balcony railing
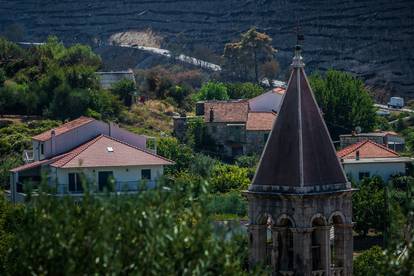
(118, 187)
(28, 156)
(337, 271)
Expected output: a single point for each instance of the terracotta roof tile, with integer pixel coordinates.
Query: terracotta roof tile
(63, 128)
(260, 120)
(367, 149)
(227, 112)
(96, 153)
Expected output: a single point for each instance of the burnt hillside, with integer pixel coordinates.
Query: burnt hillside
(372, 38)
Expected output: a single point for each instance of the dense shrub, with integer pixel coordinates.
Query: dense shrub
(369, 262)
(368, 204)
(231, 203)
(202, 165)
(162, 231)
(226, 178)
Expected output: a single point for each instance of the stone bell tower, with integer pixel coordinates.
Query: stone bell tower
(300, 208)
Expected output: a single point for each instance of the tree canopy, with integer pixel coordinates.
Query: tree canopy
(344, 101)
(251, 58)
(53, 80)
(213, 91)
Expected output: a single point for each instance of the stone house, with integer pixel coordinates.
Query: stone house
(237, 126)
(236, 129)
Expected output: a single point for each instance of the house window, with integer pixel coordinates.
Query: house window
(363, 175)
(146, 174)
(42, 149)
(106, 181)
(265, 137)
(75, 183)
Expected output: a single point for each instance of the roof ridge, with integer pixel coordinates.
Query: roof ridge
(62, 126)
(86, 145)
(351, 148)
(384, 147)
(138, 148)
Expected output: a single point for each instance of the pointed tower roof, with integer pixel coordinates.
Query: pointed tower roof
(299, 156)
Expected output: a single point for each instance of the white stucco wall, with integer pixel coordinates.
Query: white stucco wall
(384, 170)
(129, 176)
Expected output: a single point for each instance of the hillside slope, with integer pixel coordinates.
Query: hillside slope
(372, 38)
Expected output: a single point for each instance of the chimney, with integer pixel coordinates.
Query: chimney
(211, 115)
(357, 155)
(53, 142)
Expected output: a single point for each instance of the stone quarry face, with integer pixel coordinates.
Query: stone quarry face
(373, 39)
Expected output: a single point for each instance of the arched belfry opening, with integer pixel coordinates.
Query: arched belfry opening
(300, 208)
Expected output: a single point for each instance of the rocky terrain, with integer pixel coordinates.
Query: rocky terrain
(372, 38)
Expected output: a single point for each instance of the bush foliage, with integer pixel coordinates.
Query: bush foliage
(161, 231)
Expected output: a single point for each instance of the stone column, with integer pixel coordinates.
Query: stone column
(257, 244)
(302, 248)
(324, 232)
(280, 241)
(344, 247)
(275, 249)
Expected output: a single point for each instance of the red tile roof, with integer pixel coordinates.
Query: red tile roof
(260, 120)
(367, 149)
(36, 164)
(63, 128)
(279, 90)
(227, 111)
(95, 153)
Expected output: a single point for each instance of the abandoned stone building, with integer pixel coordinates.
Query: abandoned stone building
(234, 127)
(300, 208)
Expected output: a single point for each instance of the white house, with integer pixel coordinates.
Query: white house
(104, 155)
(368, 158)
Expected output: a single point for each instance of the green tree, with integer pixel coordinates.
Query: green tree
(344, 101)
(213, 91)
(172, 149)
(246, 90)
(244, 59)
(124, 89)
(368, 205)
